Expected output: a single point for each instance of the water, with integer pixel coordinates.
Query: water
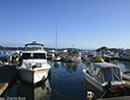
(65, 82)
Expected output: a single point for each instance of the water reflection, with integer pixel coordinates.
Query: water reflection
(57, 64)
(42, 91)
(54, 64)
(67, 82)
(71, 67)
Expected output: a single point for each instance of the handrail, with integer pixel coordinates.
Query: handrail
(34, 43)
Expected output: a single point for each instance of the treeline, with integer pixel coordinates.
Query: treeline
(46, 48)
(104, 48)
(21, 48)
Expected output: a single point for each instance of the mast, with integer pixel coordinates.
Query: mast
(56, 37)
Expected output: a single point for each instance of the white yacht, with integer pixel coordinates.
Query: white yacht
(104, 75)
(34, 67)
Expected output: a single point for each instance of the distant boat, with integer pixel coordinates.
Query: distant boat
(87, 55)
(103, 76)
(57, 58)
(51, 54)
(71, 56)
(4, 59)
(34, 67)
(125, 56)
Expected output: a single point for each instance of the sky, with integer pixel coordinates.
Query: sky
(85, 24)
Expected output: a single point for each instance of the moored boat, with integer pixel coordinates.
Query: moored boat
(51, 54)
(34, 67)
(104, 76)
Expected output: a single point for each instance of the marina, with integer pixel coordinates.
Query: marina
(65, 81)
(64, 50)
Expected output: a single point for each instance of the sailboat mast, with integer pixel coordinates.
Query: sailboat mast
(56, 37)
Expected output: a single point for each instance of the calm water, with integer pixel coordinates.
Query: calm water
(65, 82)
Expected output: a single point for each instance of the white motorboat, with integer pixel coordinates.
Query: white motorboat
(34, 67)
(51, 54)
(104, 76)
(57, 58)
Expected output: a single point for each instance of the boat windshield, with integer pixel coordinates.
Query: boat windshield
(39, 56)
(33, 56)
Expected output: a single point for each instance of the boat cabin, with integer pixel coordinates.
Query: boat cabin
(34, 55)
(104, 72)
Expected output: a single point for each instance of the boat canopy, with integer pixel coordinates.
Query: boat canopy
(105, 65)
(105, 72)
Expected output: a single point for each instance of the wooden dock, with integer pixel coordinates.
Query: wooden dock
(8, 75)
(117, 98)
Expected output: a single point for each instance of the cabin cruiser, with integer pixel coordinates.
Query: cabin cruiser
(34, 66)
(104, 76)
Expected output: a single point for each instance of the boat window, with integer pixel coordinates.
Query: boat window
(39, 56)
(98, 74)
(90, 68)
(33, 56)
(26, 55)
(95, 72)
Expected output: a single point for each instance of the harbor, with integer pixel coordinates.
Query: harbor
(65, 80)
(64, 50)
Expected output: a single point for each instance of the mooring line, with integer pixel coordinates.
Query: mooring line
(103, 95)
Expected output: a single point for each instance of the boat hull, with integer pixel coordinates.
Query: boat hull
(33, 76)
(92, 81)
(102, 86)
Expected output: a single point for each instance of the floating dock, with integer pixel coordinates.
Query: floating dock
(120, 58)
(117, 98)
(8, 75)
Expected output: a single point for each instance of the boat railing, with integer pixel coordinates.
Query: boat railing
(34, 44)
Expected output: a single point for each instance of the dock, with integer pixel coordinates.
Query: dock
(117, 98)
(8, 75)
(127, 84)
(120, 58)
